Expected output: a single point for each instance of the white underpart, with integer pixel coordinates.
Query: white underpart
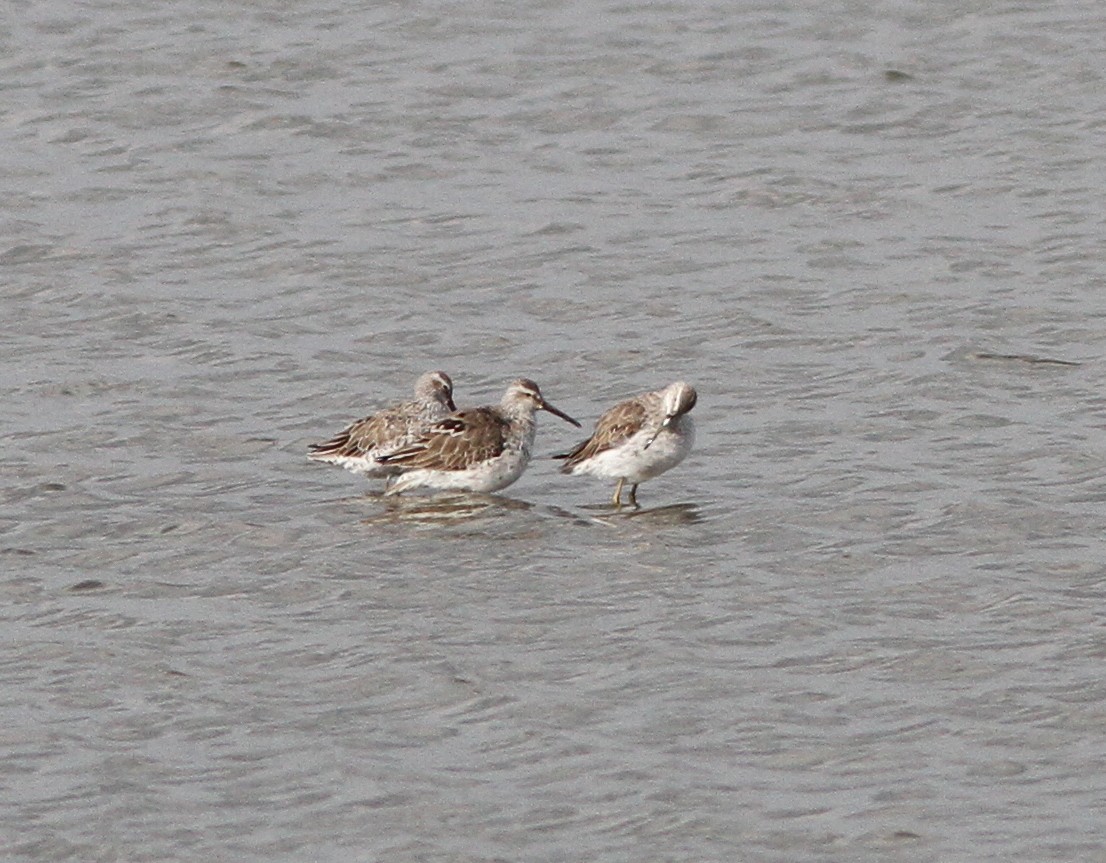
(363, 465)
(488, 476)
(631, 461)
(367, 465)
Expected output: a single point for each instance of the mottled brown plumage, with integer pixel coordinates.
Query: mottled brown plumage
(479, 449)
(358, 446)
(638, 439)
(365, 435)
(622, 421)
(462, 439)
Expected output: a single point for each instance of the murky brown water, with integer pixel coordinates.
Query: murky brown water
(863, 621)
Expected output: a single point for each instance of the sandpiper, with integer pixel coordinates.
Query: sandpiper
(479, 449)
(358, 447)
(637, 439)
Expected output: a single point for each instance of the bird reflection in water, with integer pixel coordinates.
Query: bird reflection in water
(445, 508)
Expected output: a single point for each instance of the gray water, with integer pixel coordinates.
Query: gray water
(863, 621)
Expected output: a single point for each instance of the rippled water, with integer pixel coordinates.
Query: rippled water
(863, 621)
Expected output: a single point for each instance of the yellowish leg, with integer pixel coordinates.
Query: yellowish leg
(617, 501)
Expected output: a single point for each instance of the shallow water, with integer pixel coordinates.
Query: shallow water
(863, 619)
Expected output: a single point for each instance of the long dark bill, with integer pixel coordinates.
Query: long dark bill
(546, 406)
(660, 428)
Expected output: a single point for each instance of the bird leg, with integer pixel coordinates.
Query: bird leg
(617, 501)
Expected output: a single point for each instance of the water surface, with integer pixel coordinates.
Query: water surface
(861, 622)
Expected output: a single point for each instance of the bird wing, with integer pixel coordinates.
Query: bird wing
(380, 431)
(619, 423)
(457, 442)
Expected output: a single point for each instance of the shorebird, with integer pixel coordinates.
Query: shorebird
(358, 446)
(637, 439)
(479, 449)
